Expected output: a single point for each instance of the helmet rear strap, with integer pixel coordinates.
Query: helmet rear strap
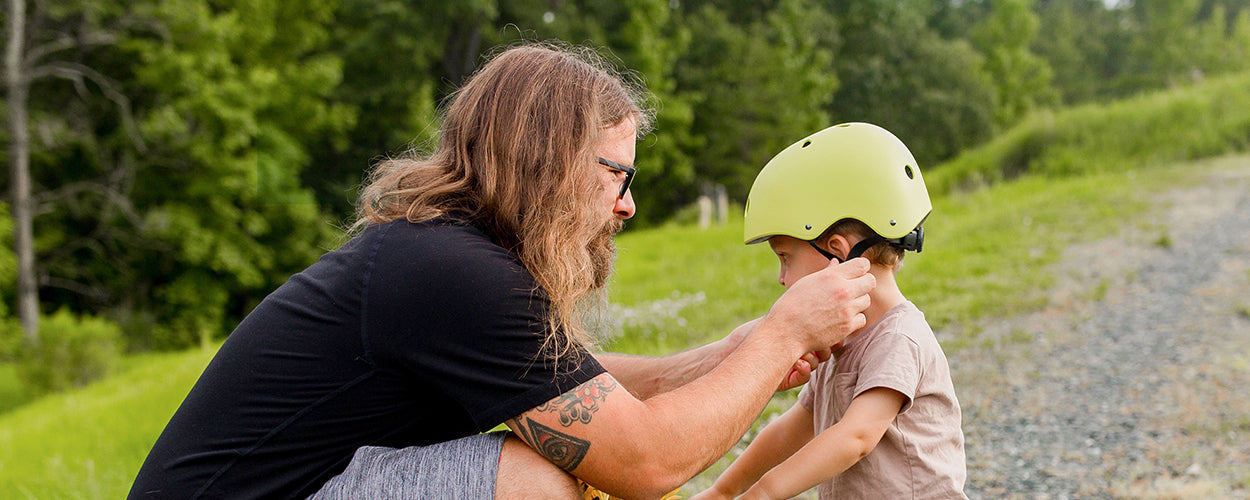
(913, 241)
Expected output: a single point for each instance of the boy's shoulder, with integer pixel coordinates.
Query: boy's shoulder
(904, 321)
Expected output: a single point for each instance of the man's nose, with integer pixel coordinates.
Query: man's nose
(625, 206)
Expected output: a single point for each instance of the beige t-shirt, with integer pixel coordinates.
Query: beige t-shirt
(921, 455)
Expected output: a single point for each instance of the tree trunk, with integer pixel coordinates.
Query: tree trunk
(19, 156)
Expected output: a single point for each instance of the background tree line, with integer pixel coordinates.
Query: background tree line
(185, 157)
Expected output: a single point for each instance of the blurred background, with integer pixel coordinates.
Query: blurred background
(173, 161)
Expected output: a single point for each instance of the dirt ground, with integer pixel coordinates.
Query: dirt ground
(1131, 382)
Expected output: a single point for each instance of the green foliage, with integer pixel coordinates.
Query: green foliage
(756, 88)
(1181, 124)
(1021, 79)
(898, 73)
(224, 215)
(8, 264)
(189, 155)
(72, 351)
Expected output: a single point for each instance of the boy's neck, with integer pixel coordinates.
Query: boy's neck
(884, 297)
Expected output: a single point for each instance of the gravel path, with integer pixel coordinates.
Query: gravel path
(1132, 382)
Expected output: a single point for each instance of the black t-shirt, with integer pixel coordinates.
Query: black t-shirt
(409, 334)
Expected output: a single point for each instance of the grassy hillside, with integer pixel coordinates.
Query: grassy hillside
(986, 254)
(1185, 123)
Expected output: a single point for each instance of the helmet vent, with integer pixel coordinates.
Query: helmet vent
(807, 143)
(907, 170)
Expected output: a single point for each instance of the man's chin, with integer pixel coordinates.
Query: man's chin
(603, 252)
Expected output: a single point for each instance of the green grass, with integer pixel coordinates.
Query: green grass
(89, 443)
(678, 287)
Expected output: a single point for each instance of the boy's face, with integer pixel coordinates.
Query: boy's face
(797, 259)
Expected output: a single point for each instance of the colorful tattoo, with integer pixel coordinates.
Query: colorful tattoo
(581, 403)
(561, 449)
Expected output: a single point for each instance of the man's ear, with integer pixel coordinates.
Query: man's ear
(837, 245)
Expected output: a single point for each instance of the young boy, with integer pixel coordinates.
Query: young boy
(880, 420)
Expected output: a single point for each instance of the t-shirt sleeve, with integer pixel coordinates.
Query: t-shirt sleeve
(464, 317)
(807, 399)
(892, 361)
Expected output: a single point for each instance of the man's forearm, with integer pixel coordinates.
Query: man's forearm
(647, 376)
(698, 422)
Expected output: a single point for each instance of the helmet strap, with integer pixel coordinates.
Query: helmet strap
(863, 246)
(856, 250)
(913, 241)
(826, 253)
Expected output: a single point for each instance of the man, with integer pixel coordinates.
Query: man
(456, 307)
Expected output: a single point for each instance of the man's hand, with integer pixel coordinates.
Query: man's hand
(802, 370)
(823, 308)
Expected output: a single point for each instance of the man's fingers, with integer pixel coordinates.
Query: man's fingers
(862, 284)
(851, 268)
(859, 304)
(859, 321)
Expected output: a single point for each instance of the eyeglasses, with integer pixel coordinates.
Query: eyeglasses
(629, 174)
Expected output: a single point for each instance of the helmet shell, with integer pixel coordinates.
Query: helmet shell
(852, 170)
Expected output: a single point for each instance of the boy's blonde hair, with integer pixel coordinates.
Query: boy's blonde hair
(882, 254)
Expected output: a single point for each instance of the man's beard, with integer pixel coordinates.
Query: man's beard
(603, 251)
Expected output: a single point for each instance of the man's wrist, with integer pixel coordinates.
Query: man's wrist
(771, 333)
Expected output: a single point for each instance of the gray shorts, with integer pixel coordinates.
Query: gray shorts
(460, 469)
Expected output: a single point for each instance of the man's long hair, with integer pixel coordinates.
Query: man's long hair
(516, 155)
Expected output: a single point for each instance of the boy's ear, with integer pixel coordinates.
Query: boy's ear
(837, 245)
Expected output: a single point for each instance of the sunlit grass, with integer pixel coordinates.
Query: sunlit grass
(89, 443)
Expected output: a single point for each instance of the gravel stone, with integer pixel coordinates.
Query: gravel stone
(1133, 385)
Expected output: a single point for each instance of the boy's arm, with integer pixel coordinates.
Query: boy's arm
(778, 441)
(834, 450)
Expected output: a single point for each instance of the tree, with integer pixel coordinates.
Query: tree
(1074, 46)
(53, 41)
(900, 74)
(757, 86)
(17, 83)
(234, 92)
(1021, 79)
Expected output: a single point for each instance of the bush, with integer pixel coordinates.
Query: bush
(10, 339)
(72, 351)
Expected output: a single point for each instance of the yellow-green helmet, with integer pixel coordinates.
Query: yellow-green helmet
(853, 170)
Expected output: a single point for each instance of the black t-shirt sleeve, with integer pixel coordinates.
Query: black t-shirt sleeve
(467, 321)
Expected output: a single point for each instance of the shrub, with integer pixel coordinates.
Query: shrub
(72, 351)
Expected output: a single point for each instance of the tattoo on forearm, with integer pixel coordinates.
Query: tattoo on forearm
(561, 449)
(581, 403)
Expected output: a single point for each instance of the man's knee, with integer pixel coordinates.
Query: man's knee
(523, 473)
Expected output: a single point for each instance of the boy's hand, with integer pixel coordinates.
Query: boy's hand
(802, 370)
